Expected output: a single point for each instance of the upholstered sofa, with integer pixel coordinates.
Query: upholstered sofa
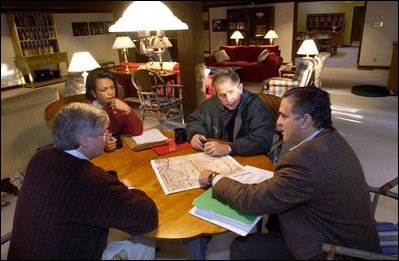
(23, 127)
(253, 68)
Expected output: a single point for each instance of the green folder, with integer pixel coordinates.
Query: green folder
(205, 201)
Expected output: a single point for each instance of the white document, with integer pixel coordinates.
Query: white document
(252, 175)
(236, 226)
(149, 136)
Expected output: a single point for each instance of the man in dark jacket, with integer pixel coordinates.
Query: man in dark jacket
(233, 115)
(318, 191)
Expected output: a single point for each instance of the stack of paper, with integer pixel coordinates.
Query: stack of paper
(148, 139)
(222, 214)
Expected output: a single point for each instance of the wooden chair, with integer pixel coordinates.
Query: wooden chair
(55, 106)
(387, 232)
(156, 96)
(272, 103)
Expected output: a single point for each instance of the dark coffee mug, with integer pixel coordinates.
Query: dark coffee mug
(119, 143)
(180, 135)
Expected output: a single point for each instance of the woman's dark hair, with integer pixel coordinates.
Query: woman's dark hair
(99, 73)
(312, 101)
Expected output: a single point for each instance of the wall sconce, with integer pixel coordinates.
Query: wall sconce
(308, 47)
(378, 22)
(82, 62)
(124, 42)
(237, 35)
(145, 16)
(271, 34)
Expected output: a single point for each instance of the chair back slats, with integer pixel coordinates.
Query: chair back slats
(153, 96)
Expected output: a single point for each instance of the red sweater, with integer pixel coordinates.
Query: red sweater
(121, 123)
(67, 205)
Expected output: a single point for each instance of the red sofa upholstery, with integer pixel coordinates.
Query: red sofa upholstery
(246, 57)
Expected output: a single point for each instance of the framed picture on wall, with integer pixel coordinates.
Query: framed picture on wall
(107, 24)
(219, 25)
(80, 29)
(96, 28)
(216, 25)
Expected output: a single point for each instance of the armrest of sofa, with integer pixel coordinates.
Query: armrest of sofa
(273, 60)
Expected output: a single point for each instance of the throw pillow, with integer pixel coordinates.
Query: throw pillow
(263, 55)
(220, 56)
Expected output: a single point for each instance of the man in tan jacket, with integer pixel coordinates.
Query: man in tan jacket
(318, 191)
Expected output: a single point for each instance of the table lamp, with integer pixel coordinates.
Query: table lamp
(124, 42)
(160, 43)
(308, 47)
(271, 34)
(237, 35)
(82, 62)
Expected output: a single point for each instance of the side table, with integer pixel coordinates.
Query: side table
(287, 70)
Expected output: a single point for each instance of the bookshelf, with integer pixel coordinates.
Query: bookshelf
(35, 43)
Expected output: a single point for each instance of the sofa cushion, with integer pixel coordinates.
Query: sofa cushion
(220, 56)
(263, 55)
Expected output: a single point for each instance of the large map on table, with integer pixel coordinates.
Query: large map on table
(181, 173)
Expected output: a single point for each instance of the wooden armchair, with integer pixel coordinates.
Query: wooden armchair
(272, 103)
(156, 96)
(387, 232)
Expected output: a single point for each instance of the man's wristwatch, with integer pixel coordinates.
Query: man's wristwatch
(212, 176)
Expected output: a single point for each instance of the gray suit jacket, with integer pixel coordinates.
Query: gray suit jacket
(319, 193)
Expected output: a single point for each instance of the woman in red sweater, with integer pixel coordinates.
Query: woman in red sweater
(101, 91)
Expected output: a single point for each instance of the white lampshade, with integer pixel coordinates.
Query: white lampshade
(147, 16)
(271, 34)
(123, 42)
(81, 62)
(308, 47)
(237, 35)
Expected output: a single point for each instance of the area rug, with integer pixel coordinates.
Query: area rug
(370, 90)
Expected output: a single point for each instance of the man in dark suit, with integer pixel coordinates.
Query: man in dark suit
(318, 192)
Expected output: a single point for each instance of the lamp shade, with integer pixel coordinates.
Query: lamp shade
(123, 42)
(308, 47)
(147, 16)
(237, 35)
(82, 61)
(271, 34)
